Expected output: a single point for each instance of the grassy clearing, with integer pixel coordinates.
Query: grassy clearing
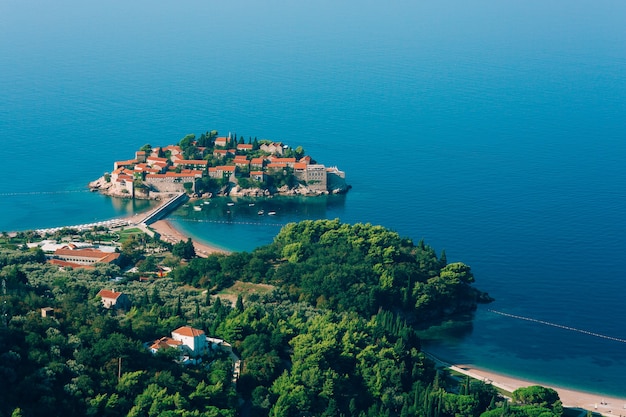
(127, 233)
(245, 289)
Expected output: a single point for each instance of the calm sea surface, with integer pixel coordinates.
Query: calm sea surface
(493, 130)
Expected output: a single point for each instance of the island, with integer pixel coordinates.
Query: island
(220, 165)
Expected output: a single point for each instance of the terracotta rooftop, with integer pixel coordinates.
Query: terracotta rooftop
(188, 331)
(87, 253)
(165, 342)
(109, 294)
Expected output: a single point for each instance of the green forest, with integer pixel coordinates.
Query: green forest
(335, 335)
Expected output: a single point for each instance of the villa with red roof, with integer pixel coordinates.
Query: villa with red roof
(112, 299)
(81, 258)
(188, 340)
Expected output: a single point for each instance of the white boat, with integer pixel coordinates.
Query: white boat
(230, 204)
(251, 204)
(197, 208)
(271, 213)
(261, 212)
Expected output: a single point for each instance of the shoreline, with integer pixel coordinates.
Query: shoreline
(571, 398)
(169, 233)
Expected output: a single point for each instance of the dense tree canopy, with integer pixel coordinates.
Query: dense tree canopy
(360, 268)
(329, 343)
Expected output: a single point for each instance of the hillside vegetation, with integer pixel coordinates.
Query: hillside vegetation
(336, 337)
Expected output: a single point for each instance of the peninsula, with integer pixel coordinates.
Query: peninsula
(220, 165)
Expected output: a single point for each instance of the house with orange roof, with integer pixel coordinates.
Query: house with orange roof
(288, 161)
(299, 170)
(241, 161)
(155, 160)
(188, 340)
(165, 343)
(199, 164)
(276, 166)
(244, 147)
(222, 141)
(113, 299)
(257, 163)
(140, 156)
(124, 164)
(194, 340)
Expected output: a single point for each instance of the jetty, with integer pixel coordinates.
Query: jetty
(164, 209)
(142, 220)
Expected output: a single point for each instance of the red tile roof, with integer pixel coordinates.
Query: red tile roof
(109, 294)
(226, 168)
(285, 160)
(165, 342)
(188, 331)
(126, 163)
(66, 264)
(87, 253)
(192, 162)
(276, 165)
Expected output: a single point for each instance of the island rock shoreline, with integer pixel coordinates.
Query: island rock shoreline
(220, 166)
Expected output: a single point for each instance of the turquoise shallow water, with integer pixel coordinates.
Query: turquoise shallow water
(494, 131)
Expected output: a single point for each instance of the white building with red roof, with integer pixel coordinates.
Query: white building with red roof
(84, 257)
(113, 299)
(193, 340)
(244, 147)
(165, 343)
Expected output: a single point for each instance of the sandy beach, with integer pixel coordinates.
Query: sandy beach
(606, 405)
(172, 235)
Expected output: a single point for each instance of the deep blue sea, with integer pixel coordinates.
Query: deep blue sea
(494, 130)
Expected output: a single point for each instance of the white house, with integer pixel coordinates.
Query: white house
(193, 340)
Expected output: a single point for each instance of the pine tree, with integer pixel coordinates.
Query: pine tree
(179, 307)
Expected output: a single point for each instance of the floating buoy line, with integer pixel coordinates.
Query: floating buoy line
(231, 222)
(560, 326)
